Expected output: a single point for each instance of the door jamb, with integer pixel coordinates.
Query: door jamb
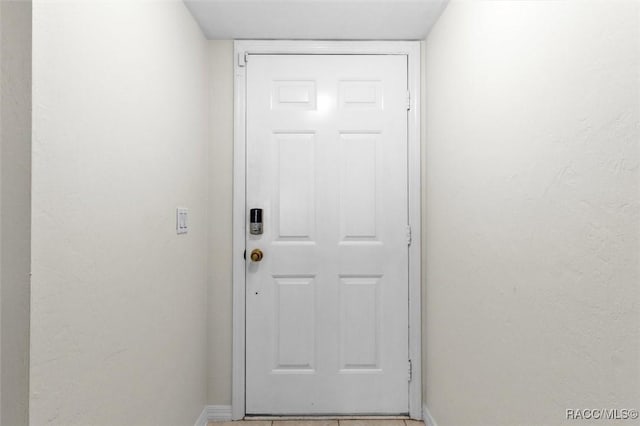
(242, 51)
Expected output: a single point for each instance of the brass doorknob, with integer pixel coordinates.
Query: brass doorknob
(257, 255)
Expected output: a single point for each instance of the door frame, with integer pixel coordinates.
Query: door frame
(243, 49)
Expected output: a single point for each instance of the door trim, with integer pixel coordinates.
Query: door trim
(243, 49)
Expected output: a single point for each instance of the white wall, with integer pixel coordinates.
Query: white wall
(520, 312)
(121, 139)
(15, 175)
(532, 211)
(221, 178)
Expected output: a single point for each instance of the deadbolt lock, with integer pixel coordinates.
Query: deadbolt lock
(256, 255)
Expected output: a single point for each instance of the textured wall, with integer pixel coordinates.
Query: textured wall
(532, 231)
(121, 139)
(15, 216)
(221, 191)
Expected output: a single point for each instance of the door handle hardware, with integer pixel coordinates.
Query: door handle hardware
(255, 224)
(256, 255)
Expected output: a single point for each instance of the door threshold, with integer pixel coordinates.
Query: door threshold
(327, 417)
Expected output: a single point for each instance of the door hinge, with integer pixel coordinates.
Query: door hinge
(408, 100)
(243, 57)
(408, 235)
(410, 371)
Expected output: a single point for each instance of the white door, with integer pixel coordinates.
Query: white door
(327, 306)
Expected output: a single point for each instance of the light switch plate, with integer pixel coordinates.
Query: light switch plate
(181, 220)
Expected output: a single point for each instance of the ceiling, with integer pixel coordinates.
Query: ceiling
(316, 19)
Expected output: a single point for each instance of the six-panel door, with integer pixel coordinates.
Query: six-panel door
(327, 306)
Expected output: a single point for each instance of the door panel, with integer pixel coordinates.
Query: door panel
(358, 186)
(295, 324)
(295, 186)
(327, 318)
(359, 324)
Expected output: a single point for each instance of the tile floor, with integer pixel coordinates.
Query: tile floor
(372, 422)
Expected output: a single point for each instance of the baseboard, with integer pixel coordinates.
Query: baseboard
(214, 413)
(202, 420)
(219, 413)
(427, 417)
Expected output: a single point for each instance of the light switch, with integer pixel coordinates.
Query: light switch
(181, 220)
